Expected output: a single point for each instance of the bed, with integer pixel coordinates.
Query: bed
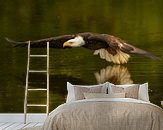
(99, 108)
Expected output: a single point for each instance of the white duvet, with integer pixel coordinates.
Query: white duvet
(106, 114)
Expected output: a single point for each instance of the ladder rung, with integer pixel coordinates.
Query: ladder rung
(36, 105)
(38, 71)
(38, 55)
(37, 89)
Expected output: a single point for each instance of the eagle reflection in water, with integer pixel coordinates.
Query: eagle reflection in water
(115, 74)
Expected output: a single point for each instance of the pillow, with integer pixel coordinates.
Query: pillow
(143, 92)
(123, 86)
(76, 92)
(137, 91)
(103, 95)
(80, 90)
(130, 91)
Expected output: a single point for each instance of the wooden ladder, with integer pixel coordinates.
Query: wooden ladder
(36, 89)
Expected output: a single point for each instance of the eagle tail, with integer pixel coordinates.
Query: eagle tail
(119, 58)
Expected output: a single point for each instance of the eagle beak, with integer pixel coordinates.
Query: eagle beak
(66, 44)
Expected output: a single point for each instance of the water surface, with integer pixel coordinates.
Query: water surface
(139, 22)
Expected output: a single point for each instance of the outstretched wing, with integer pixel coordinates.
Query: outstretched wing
(116, 50)
(54, 42)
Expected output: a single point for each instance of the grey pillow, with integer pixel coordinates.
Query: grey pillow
(79, 91)
(130, 91)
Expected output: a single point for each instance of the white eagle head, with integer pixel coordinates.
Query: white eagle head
(75, 42)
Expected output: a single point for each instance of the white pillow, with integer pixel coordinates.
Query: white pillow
(142, 94)
(71, 92)
(103, 95)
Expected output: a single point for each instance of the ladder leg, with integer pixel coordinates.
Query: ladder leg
(26, 86)
(25, 112)
(47, 109)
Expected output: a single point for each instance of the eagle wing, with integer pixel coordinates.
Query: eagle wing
(110, 48)
(116, 50)
(54, 42)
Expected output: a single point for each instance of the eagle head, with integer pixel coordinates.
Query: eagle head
(75, 42)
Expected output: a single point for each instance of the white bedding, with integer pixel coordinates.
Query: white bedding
(104, 114)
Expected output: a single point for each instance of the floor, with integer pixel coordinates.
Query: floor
(14, 121)
(17, 126)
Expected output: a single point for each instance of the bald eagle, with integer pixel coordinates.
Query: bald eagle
(110, 48)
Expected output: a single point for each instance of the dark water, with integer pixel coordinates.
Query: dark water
(139, 22)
